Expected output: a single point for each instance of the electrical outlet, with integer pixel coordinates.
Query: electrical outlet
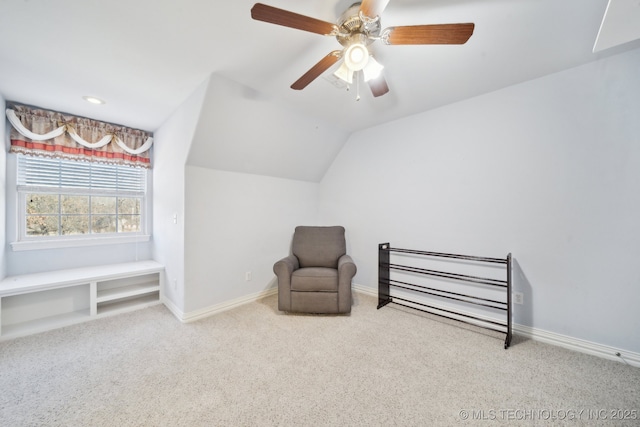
(518, 298)
(247, 276)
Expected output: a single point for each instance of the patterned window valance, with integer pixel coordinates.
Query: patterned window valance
(46, 133)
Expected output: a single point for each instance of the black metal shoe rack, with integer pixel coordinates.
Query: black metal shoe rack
(386, 283)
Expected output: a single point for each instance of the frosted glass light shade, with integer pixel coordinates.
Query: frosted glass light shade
(356, 56)
(344, 73)
(372, 70)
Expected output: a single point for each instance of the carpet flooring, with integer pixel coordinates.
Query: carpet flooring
(256, 366)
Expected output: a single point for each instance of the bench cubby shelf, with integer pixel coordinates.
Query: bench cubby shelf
(39, 302)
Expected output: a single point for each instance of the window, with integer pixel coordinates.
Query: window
(61, 200)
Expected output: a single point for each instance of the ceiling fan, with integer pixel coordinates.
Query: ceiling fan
(356, 29)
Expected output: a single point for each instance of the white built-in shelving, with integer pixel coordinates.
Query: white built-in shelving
(38, 302)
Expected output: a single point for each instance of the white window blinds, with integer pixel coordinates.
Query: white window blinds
(60, 173)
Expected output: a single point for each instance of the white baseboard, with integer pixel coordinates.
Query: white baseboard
(577, 344)
(564, 341)
(365, 290)
(173, 308)
(218, 308)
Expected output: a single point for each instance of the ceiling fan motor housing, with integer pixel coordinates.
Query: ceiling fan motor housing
(352, 29)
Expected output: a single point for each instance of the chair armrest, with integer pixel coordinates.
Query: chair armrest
(283, 270)
(286, 266)
(346, 267)
(346, 271)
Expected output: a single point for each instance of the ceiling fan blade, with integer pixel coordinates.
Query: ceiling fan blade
(378, 86)
(429, 34)
(273, 15)
(317, 69)
(373, 8)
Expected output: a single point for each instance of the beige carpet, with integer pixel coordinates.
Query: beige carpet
(256, 366)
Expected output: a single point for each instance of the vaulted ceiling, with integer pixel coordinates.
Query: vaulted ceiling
(146, 57)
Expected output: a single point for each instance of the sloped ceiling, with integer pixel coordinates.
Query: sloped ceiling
(242, 130)
(146, 57)
(620, 25)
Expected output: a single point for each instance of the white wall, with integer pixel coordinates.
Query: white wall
(171, 147)
(252, 176)
(228, 223)
(35, 261)
(237, 223)
(548, 170)
(3, 188)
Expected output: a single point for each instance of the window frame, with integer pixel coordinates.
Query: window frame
(25, 242)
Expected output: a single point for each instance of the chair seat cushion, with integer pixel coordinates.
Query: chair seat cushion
(315, 279)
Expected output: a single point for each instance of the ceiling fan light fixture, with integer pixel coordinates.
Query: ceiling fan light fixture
(356, 56)
(344, 73)
(358, 27)
(372, 70)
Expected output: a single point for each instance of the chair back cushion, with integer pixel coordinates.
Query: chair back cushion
(319, 246)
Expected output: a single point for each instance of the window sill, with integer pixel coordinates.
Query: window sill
(32, 245)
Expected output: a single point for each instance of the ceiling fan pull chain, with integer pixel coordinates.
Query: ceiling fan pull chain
(357, 85)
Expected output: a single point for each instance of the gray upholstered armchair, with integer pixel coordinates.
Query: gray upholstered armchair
(316, 277)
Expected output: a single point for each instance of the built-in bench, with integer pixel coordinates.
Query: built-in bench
(39, 302)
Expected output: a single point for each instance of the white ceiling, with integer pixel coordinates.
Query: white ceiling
(621, 24)
(145, 57)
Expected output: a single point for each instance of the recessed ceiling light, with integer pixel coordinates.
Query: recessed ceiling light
(94, 100)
